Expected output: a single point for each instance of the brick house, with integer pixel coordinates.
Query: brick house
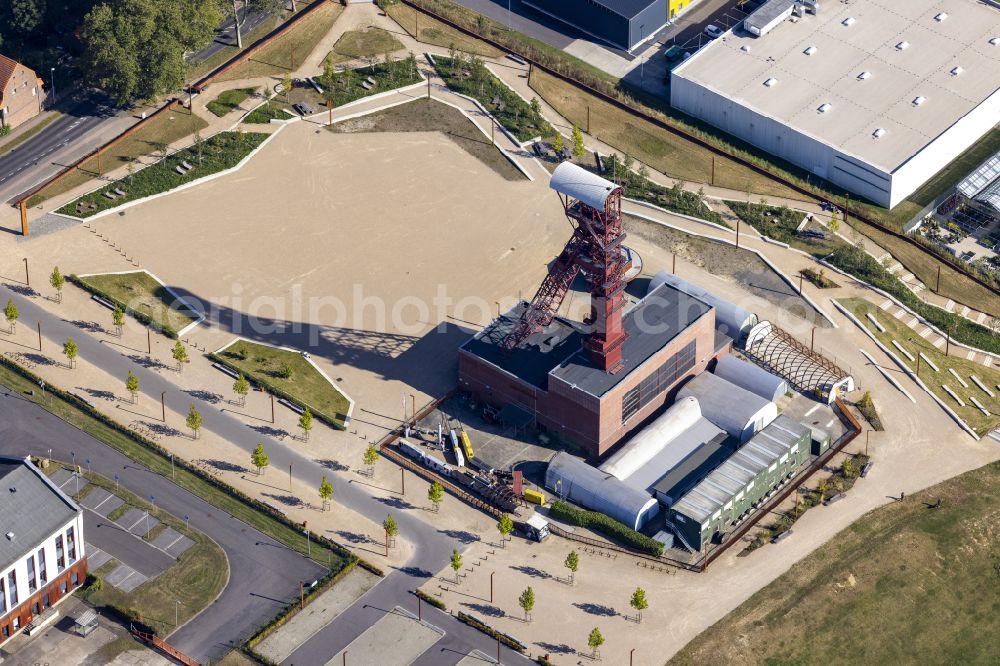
(42, 556)
(20, 92)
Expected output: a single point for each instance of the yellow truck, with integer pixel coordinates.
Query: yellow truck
(463, 438)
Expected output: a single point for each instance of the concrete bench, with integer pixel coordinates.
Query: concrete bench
(109, 195)
(781, 537)
(866, 468)
(226, 369)
(291, 405)
(103, 301)
(835, 498)
(179, 169)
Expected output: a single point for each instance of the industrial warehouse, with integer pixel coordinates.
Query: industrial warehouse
(680, 436)
(875, 97)
(622, 23)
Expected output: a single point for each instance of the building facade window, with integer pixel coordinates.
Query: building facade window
(5, 631)
(43, 575)
(60, 556)
(12, 588)
(45, 601)
(3, 596)
(658, 382)
(76, 579)
(71, 545)
(32, 578)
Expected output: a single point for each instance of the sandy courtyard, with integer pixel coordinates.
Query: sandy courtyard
(379, 253)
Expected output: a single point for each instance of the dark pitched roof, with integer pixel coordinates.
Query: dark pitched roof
(558, 351)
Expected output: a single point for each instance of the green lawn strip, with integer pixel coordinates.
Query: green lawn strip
(258, 515)
(904, 584)
(266, 112)
(913, 343)
(107, 653)
(7, 146)
(472, 78)
(860, 264)
(163, 130)
(140, 295)
(305, 386)
(436, 33)
(229, 100)
(196, 579)
(348, 86)
(363, 44)
(217, 153)
(780, 223)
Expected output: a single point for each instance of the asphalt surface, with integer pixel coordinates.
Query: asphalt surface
(263, 574)
(432, 548)
(122, 545)
(225, 36)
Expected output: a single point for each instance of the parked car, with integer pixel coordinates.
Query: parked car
(713, 31)
(304, 109)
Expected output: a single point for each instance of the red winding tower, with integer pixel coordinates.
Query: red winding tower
(593, 207)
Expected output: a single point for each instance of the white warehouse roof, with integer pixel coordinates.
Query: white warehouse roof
(578, 183)
(651, 440)
(589, 487)
(753, 378)
(907, 52)
(737, 411)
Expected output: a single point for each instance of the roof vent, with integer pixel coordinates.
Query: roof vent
(824, 107)
(995, 41)
(10, 536)
(918, 100)
(849, 21)
(940, 17)
(770, 82)
(955, 71)
(864, 75)
(878, 132)
(902, 46)
(810, 50)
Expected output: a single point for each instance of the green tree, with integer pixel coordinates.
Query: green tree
(25, 15)
(248, 7)
(194, 421)
(849, 468)
(527, 602)
(180, 355)
(11, 314)
(435, 494)
(259, 458)
(505, 526)
(594, 642)
(58, 282)
(370, 457)
(536, 106)
(306, 423)
(822, 487)
(134, 49)
(572, 563)
(118, 319)
(578, 147)
(70, 350)
(834, 222)
(132, 386)
(325, 492)
(391, 530)
(241, 387)
(286, 84)
(638, 602)
(456, 564)
(557, 144)
(199, 144)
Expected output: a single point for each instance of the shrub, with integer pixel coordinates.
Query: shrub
(607, 526)
(263, 115)
(432, 600)
(4, 129)
(475, 623)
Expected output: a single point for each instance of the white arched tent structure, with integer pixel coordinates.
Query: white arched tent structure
(753, 378)
(737, 411)
(731, 319)
(583, 484)
(653, 439)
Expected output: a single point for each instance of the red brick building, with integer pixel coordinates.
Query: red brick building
(42, 557)
(671, 336)
(20, 93)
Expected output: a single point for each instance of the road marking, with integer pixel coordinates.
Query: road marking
(137, 522)
(830, 423)
(812, 409)
(95, 509)
(949, 305)
(886, 305)
(965, 310)
(939, 343)
(926, 332)
(970, 356)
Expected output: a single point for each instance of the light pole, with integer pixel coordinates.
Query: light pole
(50, 455)
(152, 500)
(186, 519)
(172, 477)
(116, 482)
(491, 585)
(308, 543)
(176, 606)
(163, 406)
(88, 465)
(630, 656)
(52, 72)
(73, 456)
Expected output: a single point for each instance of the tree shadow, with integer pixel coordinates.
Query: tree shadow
(22, 289)
(486, 609)
(353, 537)
(462, 536)
(333, 465)
(224, 466)
(556, 649)
(416, 572)
(596, 609)
(287, 500)
(162, 429)
(531, 571)
(39, 359)
(88, 326)
(149, 363)
(394, 502)
(98, 393)
(269, 431)
(207, 396)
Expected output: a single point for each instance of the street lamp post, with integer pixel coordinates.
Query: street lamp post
(308, 543)
(491, 585)
(152, 500)
(172, 477)
(88, 465)
(176, 607)
(116, 482)
(163, 406)
(52, 72)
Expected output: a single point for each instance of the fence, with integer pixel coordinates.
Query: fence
(756, 168)
(159, 644)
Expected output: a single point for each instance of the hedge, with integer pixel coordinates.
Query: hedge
(140, 316)
(475, 623)
(432, 600)
(281, 393)
(607, 526)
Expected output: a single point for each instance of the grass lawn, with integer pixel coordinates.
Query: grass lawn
(436, 33)
(263, 114)
(903, 585)
(286, 53)
(217, 153)
(346, 87)
(662, 150)
(913, 343)
(306, 386)
(166, 128)
(11, 144)
(780, 223)
(204, 67)
(474, 80)
(138, 292)
(363, 44)
(197, 577)
(241, 510)
(229, 100)
(424, 115)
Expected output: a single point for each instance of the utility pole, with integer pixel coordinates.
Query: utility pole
(163, 406)
(674, 269)
(272, 407)
(737, 233)
(302, 597)
(491, 585)
(149, 342)
(39, 336)
(289, 477)
(937, 287)
(713, 170)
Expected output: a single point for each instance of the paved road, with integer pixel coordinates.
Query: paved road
(432, 548)
(264, 575)
(87, 122)
(225, 36)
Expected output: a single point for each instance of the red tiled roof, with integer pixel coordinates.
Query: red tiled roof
(7, 67)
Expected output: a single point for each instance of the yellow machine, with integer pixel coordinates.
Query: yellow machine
(533, 496)
(466, 445)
